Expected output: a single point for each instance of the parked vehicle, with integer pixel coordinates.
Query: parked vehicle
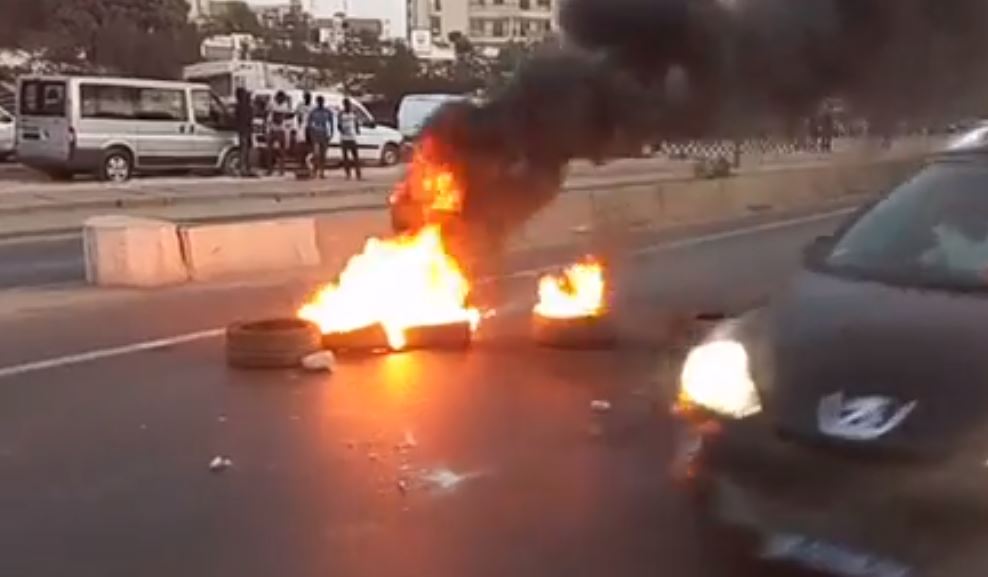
(8, 134)
(842, 427)
(225, 76)
(114, 127)
(416, 109)
(378, 143)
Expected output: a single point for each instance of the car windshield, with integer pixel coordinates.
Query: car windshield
(932, 231)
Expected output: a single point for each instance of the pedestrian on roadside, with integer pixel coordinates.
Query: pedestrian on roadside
(304, 143)
(320, 130)
(827, 131)
(244, 116)
(279, 116)
(349, 129)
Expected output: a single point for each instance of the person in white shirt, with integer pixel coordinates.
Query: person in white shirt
(303, 144)
(279, 120)
(349, 129)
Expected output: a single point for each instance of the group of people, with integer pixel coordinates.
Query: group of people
(305, 129)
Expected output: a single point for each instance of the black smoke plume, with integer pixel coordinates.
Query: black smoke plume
(638, 70)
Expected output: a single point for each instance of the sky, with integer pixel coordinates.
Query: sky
(393, 11)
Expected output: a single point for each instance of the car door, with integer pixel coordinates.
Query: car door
(161, 117)
(371, 139)
(212, 130)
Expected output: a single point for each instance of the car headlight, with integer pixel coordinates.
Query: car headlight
(716, 377)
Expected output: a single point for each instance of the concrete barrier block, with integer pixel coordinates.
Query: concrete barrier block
(213, 251)
(126, 251)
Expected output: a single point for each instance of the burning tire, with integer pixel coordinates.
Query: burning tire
(573, 333)
(271, 344)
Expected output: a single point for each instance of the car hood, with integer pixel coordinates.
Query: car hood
(832, 346)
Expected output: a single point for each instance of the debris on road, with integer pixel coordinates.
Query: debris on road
(407, 443)
(221, 419)
(220, 464)
(373, 456)
(402, 486)
(322, 361)
(445, 479)
(600, 406)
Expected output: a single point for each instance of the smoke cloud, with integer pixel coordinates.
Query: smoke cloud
(637, 70)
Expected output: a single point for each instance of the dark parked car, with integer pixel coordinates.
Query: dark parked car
(844, 427)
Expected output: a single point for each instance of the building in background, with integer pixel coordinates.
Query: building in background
(486, 23)
(331, 32)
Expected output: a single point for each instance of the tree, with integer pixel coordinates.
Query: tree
(135, 37)
(237, 18)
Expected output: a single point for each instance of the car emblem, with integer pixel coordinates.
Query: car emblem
(861, 418)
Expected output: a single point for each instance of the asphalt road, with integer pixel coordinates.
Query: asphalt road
(484, 463)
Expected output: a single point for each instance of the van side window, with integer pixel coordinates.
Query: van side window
(108, 101)
(207, 109)
(162, 104)
(201, 106)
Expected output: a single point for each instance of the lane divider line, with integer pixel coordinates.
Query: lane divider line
(101, 354)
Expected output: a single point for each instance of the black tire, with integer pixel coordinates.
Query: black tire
(271, 344)
(390, 155)
(231, 163)
(117, 165)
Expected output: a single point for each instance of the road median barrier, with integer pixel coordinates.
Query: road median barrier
(219, 250)
(124, 251)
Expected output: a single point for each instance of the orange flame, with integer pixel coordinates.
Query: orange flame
(432, 181)
(578, 292)
(404, 282)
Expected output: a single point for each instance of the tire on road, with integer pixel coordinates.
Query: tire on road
(271, 344)
(117, 165)
(390, 155)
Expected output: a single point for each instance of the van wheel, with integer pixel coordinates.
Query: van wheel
(118, 166)
(231, 163)
(391, 155)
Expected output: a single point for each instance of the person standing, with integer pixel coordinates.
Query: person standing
(244, 114)
(279, 117)
(304, 143)
(349, 130)
(319, 127)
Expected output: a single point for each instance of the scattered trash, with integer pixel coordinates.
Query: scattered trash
(143, 427)
(323, 361)
(446, 480)
(295, 418)
(220, 464)
(599, 406)
(373, 456)
(221, 419)
(351, 445)
(402, 486)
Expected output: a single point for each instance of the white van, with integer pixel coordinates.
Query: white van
(377, 143)
(416, 109)
(114, 127)
(8, 134)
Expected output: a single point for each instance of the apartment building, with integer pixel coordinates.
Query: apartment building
(487, 23)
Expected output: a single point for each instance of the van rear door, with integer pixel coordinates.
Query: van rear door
(45, 130)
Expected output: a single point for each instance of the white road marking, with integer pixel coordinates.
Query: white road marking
(100, 354)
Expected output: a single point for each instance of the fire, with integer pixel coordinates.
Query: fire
(433, 181)
(577, 293)
(400, 283)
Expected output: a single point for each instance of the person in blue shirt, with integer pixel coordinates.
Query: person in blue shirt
(320, 130)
